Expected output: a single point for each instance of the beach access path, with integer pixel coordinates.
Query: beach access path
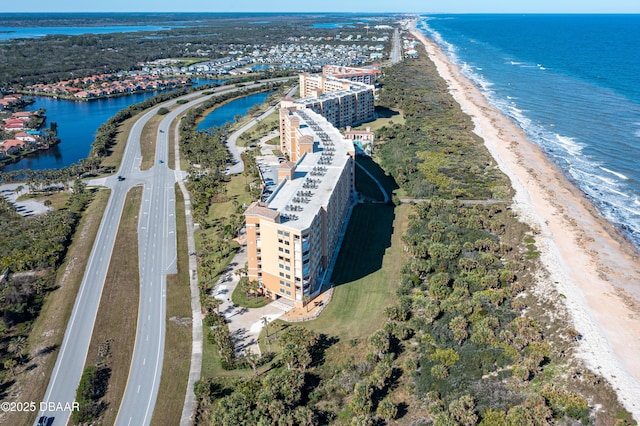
(585, 259)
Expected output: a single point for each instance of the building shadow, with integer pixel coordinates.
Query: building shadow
(366, 240)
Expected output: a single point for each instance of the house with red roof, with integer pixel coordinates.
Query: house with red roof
(26, 137)
(13, 125)
(22, 115)
(12, 146)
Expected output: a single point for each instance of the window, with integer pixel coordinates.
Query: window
(282, 283)
(288, 284)
(279, 231)
(282, 290)
(288, 292)
(280, 249)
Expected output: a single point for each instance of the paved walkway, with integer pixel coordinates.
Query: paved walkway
(244, 324)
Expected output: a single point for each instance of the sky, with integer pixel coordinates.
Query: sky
(358, 6)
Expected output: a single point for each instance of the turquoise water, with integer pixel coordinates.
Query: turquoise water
(572, 83)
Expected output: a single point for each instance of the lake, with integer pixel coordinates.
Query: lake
(78, 122)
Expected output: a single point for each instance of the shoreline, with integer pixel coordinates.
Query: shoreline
(584, 256)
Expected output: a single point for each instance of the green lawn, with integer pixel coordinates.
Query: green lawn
(240, 298)
(366, 272)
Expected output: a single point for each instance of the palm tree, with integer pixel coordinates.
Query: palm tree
(265, 322)
(10, 364)
(306, 300)
(17, 346)
(387, 410)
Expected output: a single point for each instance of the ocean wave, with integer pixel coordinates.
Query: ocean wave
(620, 175)
(569, 144)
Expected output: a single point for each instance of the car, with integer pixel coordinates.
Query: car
(160, 161)
(121, 178)
(161, 131)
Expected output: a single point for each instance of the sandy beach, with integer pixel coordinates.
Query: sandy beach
(586, 260)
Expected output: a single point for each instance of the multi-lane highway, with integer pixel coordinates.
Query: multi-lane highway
(157, 257)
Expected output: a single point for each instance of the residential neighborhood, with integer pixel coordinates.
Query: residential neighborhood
(20, 130)
(300, 54)
(105, 85)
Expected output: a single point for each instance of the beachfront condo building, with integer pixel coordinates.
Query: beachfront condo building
(342, 102)
(293, 236)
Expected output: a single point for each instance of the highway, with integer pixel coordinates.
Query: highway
(157, 257)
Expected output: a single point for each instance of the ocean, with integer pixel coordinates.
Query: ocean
(572, 83)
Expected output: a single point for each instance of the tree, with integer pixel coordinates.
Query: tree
(361, 402)
(387, 409)
(380, 342)
(306, 300)
(462, 410)
(252, 359)
(212, 303)
(10, 364)
(17, 345)
(265, 322)
(458, 326)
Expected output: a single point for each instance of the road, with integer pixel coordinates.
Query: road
(396, 48)
(234, 150)
(157, 256)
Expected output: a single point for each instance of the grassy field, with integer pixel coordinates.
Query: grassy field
(386, 117)
(364, 276)
(57, 199)
(240, 298)
(117, 150)
(148, 140)
(177, 349)
(259, 129)
(114, 332)
(48, 329)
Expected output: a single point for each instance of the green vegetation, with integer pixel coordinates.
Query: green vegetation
(177, 348)
(60, 57)
(427, 324)
(114, 332)
(434, 152)
(92, 387)
(260, 129)
(246, 295)
(30, 250)
(364, 274)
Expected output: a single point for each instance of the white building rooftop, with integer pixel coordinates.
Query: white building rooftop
(316, 173)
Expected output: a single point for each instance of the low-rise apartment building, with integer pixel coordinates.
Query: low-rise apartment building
(294, 235)
(360, 75)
